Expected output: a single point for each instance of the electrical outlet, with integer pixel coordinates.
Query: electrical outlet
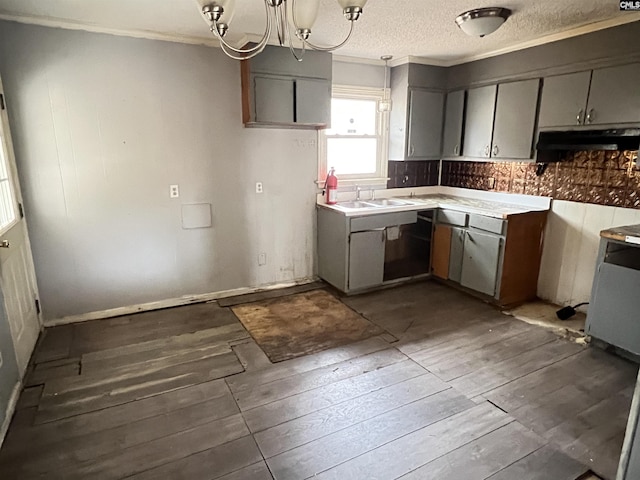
(492, 182)
(262, 259)
(174, 191)
(259, 187)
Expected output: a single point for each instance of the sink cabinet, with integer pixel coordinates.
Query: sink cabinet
(494, 257)
(352, 251)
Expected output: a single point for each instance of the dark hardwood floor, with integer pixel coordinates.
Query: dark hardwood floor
(454, 390)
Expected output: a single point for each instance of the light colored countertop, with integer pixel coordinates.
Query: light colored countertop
(451, 202)
(627, 234)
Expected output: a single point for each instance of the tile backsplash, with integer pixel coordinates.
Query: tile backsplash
(413, 173)
(601, 177)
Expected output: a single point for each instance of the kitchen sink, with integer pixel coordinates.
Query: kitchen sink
(355, 204)
(387, 202)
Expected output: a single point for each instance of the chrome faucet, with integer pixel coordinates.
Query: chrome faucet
(357, 193)
(373, 194)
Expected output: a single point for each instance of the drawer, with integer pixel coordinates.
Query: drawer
(452, 217)
(371, 222)
(488, 224)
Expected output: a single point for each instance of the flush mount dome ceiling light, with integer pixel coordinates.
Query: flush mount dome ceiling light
(291, 18)
(482, 21)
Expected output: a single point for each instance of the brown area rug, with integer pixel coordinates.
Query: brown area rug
(296, 325)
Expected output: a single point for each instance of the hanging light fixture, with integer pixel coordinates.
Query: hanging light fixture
(482, 21)
(385, 105)
(292, 18)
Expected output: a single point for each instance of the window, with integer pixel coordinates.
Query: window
(7, 200)
(356, 143)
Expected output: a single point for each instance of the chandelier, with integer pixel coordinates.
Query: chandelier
(292, 18)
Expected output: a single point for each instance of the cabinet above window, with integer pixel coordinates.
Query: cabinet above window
(278, 91)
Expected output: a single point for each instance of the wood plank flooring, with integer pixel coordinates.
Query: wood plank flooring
(454, 390)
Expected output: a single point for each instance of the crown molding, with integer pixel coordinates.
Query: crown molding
(212, 42)
(146, 34)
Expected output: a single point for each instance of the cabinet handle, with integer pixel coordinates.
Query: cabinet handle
(579, 117)
(487, 151)
(412, 150)
(496, 150)
(456, 150)
(590, 116)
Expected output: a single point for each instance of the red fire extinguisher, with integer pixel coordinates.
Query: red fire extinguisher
(331, 187)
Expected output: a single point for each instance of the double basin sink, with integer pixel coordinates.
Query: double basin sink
(384, 202)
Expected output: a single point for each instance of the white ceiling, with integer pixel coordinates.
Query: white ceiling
(402, 28)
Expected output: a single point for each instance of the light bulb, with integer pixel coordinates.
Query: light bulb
(229, 9)
(305, 12)
(352, 3)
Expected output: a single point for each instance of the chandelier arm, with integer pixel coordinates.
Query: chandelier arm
(329, 49)
(281, 23)
(236, 56)
(248, 51)
(291, 47)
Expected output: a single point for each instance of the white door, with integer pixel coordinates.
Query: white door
(17, 277)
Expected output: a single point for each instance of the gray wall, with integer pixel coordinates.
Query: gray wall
(9, 375)
(359, 74)
(103, 125)
(557, 57)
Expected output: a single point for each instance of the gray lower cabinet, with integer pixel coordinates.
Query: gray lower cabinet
(515, 119)
(453, 122)
(564, 99)
(478, 123)
(456, 254)
(366, 259)
(425, 124)
(480, 262)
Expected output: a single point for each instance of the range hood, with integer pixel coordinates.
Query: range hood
(581, 140)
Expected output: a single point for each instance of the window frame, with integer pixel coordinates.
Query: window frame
(379, 177)
(12, 177)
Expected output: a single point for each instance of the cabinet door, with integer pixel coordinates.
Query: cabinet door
(441, 248)
(366, 259)
(478, 126)
(480, 262)
(454, 116)
(273, 99)
(564, 99)
(425, 124)
(515, 119)
(455, 256)
(614, 96)
(313, 101)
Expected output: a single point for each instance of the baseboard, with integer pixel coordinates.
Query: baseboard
(11, 407)
(171, 302)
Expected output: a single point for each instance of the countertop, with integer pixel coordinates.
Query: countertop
(627, 234)
(422, 202)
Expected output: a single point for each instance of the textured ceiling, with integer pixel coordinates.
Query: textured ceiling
(418, 28)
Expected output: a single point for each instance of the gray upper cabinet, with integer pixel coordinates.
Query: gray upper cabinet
(453, 121)
(273, 99)
(278, 91)
(564, 99)
(598, 97)
(614, 97)
(515, 119)
(415, 122)
(425, 124)
(312, 101)
(481, 104)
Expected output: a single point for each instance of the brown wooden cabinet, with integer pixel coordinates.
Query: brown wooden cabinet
(499, 258)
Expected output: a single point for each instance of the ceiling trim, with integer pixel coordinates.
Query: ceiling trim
(147, 34)
(554, 37)
(212, 42)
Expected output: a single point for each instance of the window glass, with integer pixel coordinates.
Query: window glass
(7, 205)
(352, 155)
(352, 117)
